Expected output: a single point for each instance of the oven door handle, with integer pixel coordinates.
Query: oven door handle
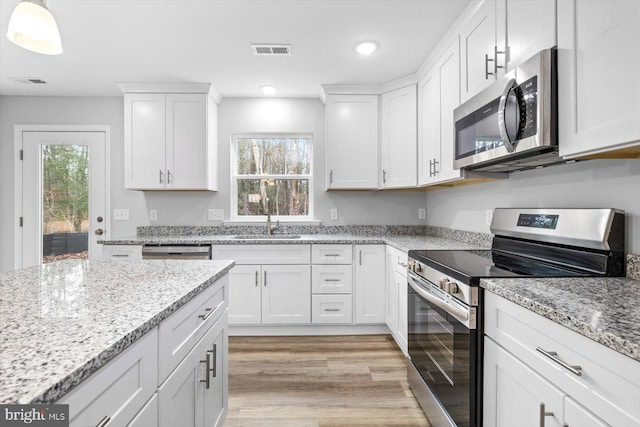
(462, 315)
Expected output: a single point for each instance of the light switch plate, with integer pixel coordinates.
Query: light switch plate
(153, 215)
(215, 215)
(334, 213)
(422, 213)
(121, 214)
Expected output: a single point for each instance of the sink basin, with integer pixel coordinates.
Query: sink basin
(266, 236)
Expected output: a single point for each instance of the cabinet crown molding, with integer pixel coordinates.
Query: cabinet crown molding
(207, 88)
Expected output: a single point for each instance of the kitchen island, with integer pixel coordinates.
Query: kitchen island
(62, 322)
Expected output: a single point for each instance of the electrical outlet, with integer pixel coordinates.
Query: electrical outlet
(121, 214)
(215, 215)
(422, 213)
(153, 215)
(489, 214)
(334, 214)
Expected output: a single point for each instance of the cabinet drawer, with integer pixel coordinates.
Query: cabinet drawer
(609, 384)
(119, 389)
(331, 279)
(331, 254)
(263, 254)
(332, 309)
(148, 416)
(121, 252)
(181, 331)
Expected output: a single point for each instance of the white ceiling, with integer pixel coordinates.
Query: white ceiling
(208, 41)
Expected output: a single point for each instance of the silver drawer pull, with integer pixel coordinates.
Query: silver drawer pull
(103, 422)
(214, 352)
(119, 256)
(543, 414)
(331, 254)
(206, 380)
(331, 280)
(577, 370)
(331, 309)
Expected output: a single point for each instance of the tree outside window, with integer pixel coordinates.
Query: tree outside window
(272, 175)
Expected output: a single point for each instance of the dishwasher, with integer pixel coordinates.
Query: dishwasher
(176, 252)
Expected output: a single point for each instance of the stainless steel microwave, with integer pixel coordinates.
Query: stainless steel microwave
(512, 124)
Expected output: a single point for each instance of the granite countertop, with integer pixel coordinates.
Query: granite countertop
(401, 242)
(607, 310)
(61, 322)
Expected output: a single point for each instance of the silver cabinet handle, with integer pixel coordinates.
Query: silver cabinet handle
(213, 352)
(331, 280)
(576, 370)
(486, 66)
(384, 176)
(331, 309)
(204, 316)
(256, 277)
(265, 279)
(543, 414)
(430, 168)
(119, 256)
(360, 257)
(161, 177)
(330, 176)
(497, 52)
(206, 379)
(168, 176)
(103, 422)
(435, 167)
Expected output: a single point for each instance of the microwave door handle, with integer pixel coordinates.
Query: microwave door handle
(502, 123)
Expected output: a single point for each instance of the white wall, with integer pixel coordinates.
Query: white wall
(587, 184)
(190, 208)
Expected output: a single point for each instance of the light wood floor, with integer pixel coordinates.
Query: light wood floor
(319, 381)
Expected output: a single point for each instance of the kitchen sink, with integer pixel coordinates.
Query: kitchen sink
(266, 236)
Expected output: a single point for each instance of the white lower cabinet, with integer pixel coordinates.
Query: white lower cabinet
(148, 415)
(117, 391)
(370, 284)
(328, 308)
(270, 294)
(332, 284)
(530, 360)
(396, 297)
(121, 252)
(194, 395)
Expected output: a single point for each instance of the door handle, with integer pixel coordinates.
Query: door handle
(161, 177)
(502, 109)
(206, 379)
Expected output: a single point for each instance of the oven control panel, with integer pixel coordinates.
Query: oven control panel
(465, 293)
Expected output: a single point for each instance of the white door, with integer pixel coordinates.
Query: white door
(370, 283)
(64, 196)
(245, 295)
(286, 294)
(478, 38)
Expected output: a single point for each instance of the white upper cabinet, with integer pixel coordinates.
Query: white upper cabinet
(599, 87)
(438, 96)
(398, 138)
(170, 141)
(478, 39)
(524, 28)
(352, 159)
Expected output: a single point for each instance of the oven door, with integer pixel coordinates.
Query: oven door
(443, 346)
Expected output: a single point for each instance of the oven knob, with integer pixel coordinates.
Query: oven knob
(417, 268)
(443, 283)
(453, 288)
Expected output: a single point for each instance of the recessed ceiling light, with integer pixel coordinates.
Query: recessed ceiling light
(268, 90)
(366, 48)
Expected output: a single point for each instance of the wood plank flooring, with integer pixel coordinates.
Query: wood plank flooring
(318, 382)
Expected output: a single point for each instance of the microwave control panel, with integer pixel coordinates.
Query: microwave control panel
(527, 94)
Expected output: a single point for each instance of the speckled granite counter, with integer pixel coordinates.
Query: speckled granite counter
(61, 322)
(606, 310)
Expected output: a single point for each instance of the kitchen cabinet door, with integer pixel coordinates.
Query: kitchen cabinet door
(286, 294)
(352, 142)
(144, 141)
(478, 39)
(186, 125)
(398, 138)
(599, 92)
(245, 295)
(370, 274)
(577, 415)
(524, 28)
(216, 396)
(513, 392)
(439, 95)
(391, 317)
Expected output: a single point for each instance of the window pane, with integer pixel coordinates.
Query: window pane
(273, 156)
(285, 197)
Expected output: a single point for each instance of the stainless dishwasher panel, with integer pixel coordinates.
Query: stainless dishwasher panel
(176, 252)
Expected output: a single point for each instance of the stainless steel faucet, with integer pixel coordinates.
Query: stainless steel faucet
(270, 228)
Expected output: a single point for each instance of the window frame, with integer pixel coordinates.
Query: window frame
(235, 177)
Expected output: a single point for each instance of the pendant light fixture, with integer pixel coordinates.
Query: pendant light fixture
(33, 27)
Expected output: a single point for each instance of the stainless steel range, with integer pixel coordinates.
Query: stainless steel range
(445, 302)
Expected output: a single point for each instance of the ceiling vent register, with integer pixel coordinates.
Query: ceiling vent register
(271, 49)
